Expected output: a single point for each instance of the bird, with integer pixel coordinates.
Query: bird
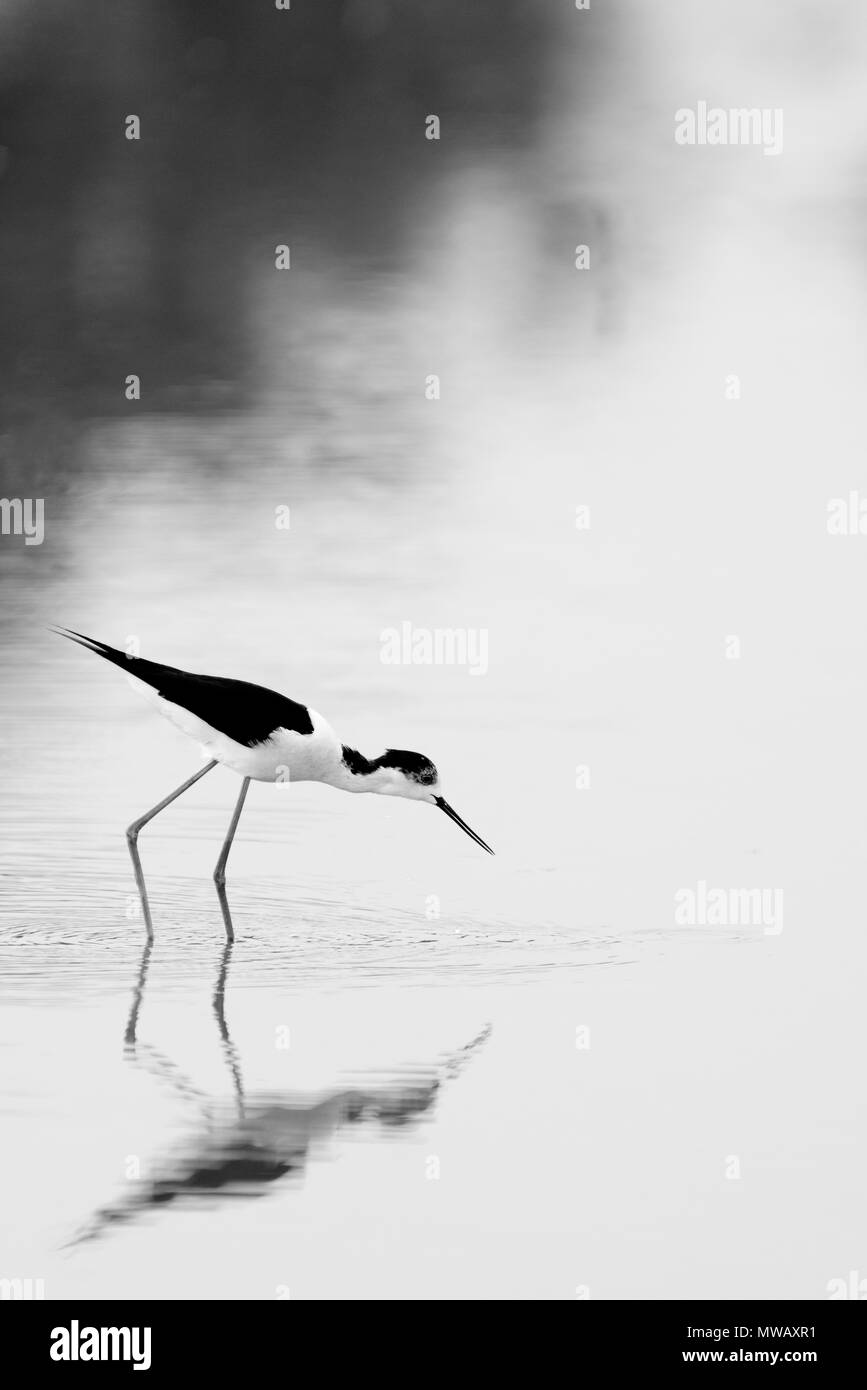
(263, 737)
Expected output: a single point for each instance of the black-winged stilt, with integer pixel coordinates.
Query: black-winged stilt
(264, 737)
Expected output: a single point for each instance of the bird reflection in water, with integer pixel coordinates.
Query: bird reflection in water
(241, 1146)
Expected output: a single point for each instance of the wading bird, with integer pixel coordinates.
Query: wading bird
(264, 737)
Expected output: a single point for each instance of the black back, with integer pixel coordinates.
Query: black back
(247, 713)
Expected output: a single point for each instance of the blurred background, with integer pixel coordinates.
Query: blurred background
(606, 389)
(260, 125)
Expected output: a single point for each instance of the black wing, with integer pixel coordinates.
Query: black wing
(247, 713)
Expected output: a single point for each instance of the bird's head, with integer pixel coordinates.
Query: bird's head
(414, 776)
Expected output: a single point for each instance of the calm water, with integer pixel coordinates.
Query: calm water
(422, 1071)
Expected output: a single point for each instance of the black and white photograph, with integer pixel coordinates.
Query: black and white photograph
(433, 557)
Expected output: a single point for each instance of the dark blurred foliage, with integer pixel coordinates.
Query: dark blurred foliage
(259, 126)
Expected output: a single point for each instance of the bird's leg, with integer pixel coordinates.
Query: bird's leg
(220, 871)
(132, 837)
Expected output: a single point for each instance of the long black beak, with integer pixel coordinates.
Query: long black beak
(453, 815)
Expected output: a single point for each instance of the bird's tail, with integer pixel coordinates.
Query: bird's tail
(101, 648)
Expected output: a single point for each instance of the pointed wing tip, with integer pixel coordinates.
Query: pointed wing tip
(62, 632)
(91, 642)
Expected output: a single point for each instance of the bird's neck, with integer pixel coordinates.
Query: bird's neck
(356, 773)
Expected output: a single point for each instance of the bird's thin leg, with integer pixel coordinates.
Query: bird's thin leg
(132, 837)
(220, 871)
